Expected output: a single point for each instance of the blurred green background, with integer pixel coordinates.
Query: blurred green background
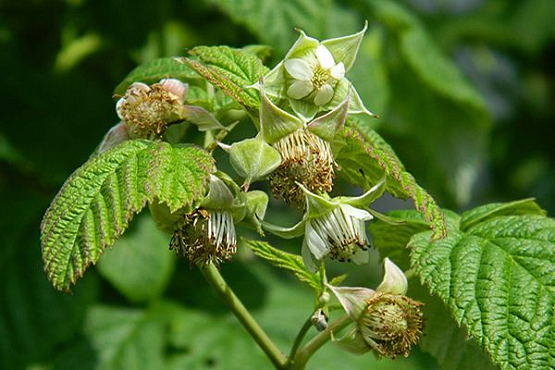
(465, 94)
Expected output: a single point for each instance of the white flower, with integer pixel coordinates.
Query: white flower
(319, 74)
(339, 232)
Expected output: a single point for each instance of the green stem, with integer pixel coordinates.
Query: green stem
(306, 326)
(215, 279)
(302, 357)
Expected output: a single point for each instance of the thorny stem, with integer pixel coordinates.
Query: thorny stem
(215, 279)
(299, 339)
(302, 357)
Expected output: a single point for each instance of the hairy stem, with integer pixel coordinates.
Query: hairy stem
(302, 357)
(217, 281)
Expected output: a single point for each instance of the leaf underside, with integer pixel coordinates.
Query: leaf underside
(96, 204)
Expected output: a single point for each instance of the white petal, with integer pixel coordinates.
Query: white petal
(323, 95)
(316, 244)
(298, 69)
(394, 280)
(360, 257)
(324, 57)
(307, 258)
(338, 71)
(119, 108)
(299, 89)
(357, 213)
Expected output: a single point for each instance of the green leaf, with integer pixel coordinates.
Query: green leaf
(444, 340)
(139, 264)
(488, 211)
(126, 338)
(291, 262)
(156, 70)
(274, 21)
(424, 57)
(498, 280)
(391, 240)
(232, 70)
(96, 204)
(370, 154)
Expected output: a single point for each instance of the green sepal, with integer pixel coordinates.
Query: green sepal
(165, 220)
(275, 123)
(327, 125)
(369, 196)
(344, 88)
(200, 117)
(303, 44)
(256, 202)
(253, 159)
(317, 205)
(352, 341)
(219, 196)
(285, 232)
(344, 49)
(304, 109)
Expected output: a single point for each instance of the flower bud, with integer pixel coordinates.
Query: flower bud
(319, 320)
(253, 159)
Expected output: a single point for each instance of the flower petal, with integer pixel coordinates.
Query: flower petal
(338, 71)
(298, 69)
(360, 257)
(323, 95)
(353, 299)
(315, 243)
(307, 258)
(324, 57)
(299, 89)
(357, 213)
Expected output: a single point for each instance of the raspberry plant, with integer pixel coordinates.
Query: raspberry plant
(491, 268)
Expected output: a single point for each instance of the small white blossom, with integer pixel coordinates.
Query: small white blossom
(340, 233)
(318, 74)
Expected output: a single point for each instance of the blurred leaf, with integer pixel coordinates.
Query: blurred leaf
(274, 21)
(206, 341)
(437, 119)
(366, 157)
(35, 319)
(498, 280)
(155, 70)
(125, 338)
(96, 203)
(288, 261)
(369, 73)
(444, 340)
(423, 56)
(139, 264)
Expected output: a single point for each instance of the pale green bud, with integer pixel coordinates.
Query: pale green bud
(253, 159)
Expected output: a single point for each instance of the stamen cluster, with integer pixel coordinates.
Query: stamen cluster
(306, 159)
(205, 237)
